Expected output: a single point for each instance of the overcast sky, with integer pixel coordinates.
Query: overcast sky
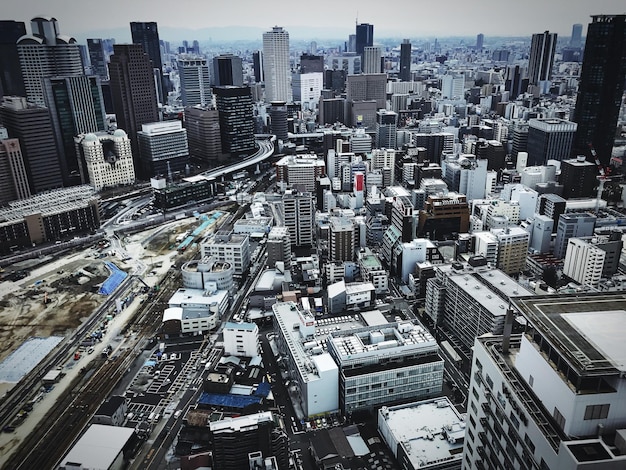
(404, 18)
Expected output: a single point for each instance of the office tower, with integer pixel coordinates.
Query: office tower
(310, 63)
(542, 229)
(203, 134)
(332, 110)
(550, 398)
(386, 128)
(162, 148)
(341, 243)
(442, 215)
(298, 210)
(514, 80)
(367, 87)
(492, 151)
(227, 70)
(278, 119)
(435, 144)
(542, 49)
(278, 246)
(147, 34)
(299, 171)
(134, 93)
(583, 262)
(76, 107)
(257, 66)
(195, 85)
(234, 440)
(549, 139)
(578, 178)
(46, 53)
(601, 86)
(372, 59)
(364, 37)
(466, 175)
(575, 224)
(453, 86)
(576, 39)
(13, 178)
(11, 82)
(234, 105)
(276, 67)
(480, 39)
(307, 89)
(32, 125)
(404, 74)
(98, 58)
(108, 158)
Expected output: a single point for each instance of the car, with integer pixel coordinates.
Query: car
(90, 350)
(8, 428)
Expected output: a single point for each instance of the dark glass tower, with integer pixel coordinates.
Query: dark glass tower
(227, 70)
(542, 49)
(234, 105)
(133, 91)
(405, 61)
(97, 57)
(601, 86)
(364, 36)
(147, 34)
(10, 71)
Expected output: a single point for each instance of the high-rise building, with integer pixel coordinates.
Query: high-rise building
(77, 107)
(307, 89)
(276, 66)
(299, 172)
(480, 39)
(257, 65)
(195, 85)
(549, 139)
(32, 125)
(299, 213)
(583, 262)
(365, 87)
(13, 178)
(404, 74)
(11, 82)
(364, 36)
(542, 50)
(372, 56)
(234, 105)
(601, 86)
(341, 240)
(46, 53)
(386, 129)
(98, 58)
(551, 397)
(278, 246)
(575, 224)
(146, 33)
(577, 32)
(108, 158)
(332, 110)
(134, 92)
(203, 134)
(227, 70)
(162, 147)
(278, 114)
(578, 178)
(310, 63)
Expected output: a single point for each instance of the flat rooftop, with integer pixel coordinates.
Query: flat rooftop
(98, 447)
(587, 329)
(430, 431)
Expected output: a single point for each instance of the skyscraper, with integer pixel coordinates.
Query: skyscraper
(147, 34)
(195, 86)
(11, 82)
(372, 59)
(203, 134)
(98, 58)
(404, 74)
(386, 129)
(133, 91)
(310, 63)
(480, 39)
(76, 107)
(257, 66)
(276, 68)
(13, 178)
(234, 105)
(549, 139)
(31, 124)
(46, 53)
(542, 49)
(364, 36)
(227, 70)
(299, 215)
(576, 39)
(601, 86)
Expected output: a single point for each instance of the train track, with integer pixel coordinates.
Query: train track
(61, 426)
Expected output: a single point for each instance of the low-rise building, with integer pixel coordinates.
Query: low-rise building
(112, 412)
(241, 339)
(194, 310)
(229, 247)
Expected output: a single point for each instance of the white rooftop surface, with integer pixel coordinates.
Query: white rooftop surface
(240, 422)
(25, 358)
(605, 330)
(324, 362)
(99, 446)
(419, 427)
(359, 287)
(196, 296)
(491, 301)
(374, 318)
(267, 279)
(505, 284)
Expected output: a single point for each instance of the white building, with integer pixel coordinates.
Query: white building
(307, 89)
(108, 157)
(228, 247)
(372, 270)
(195, 84)
(434, 444)
(384, 364)
(372, 59)
(498, 209)
(199, 274)
(384, 158)
(195, 310)
(584, 262)
(100, 448)
(525, 197)
(352, 296)
(453, 86)
(299, 170)
(276, 67)
(554, 397)
(298, 210)
(315, 376)
(241, 339)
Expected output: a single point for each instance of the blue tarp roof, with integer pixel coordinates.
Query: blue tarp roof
(230, 400)
(113, 281)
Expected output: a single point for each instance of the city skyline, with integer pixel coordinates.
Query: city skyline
(329, 20)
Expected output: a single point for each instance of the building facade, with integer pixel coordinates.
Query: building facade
(195, 84)
(108, 158)
(276, 68)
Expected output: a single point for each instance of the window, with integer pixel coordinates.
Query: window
(489, 381)
(560, 419)
(596, 412)
(472, 422)
(529, 443)
(531, 380)
(479, 366)
(473, 407)
(475, 393)
(514, 421)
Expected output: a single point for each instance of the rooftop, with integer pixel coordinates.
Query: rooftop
(587, 329)
(99, 447)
